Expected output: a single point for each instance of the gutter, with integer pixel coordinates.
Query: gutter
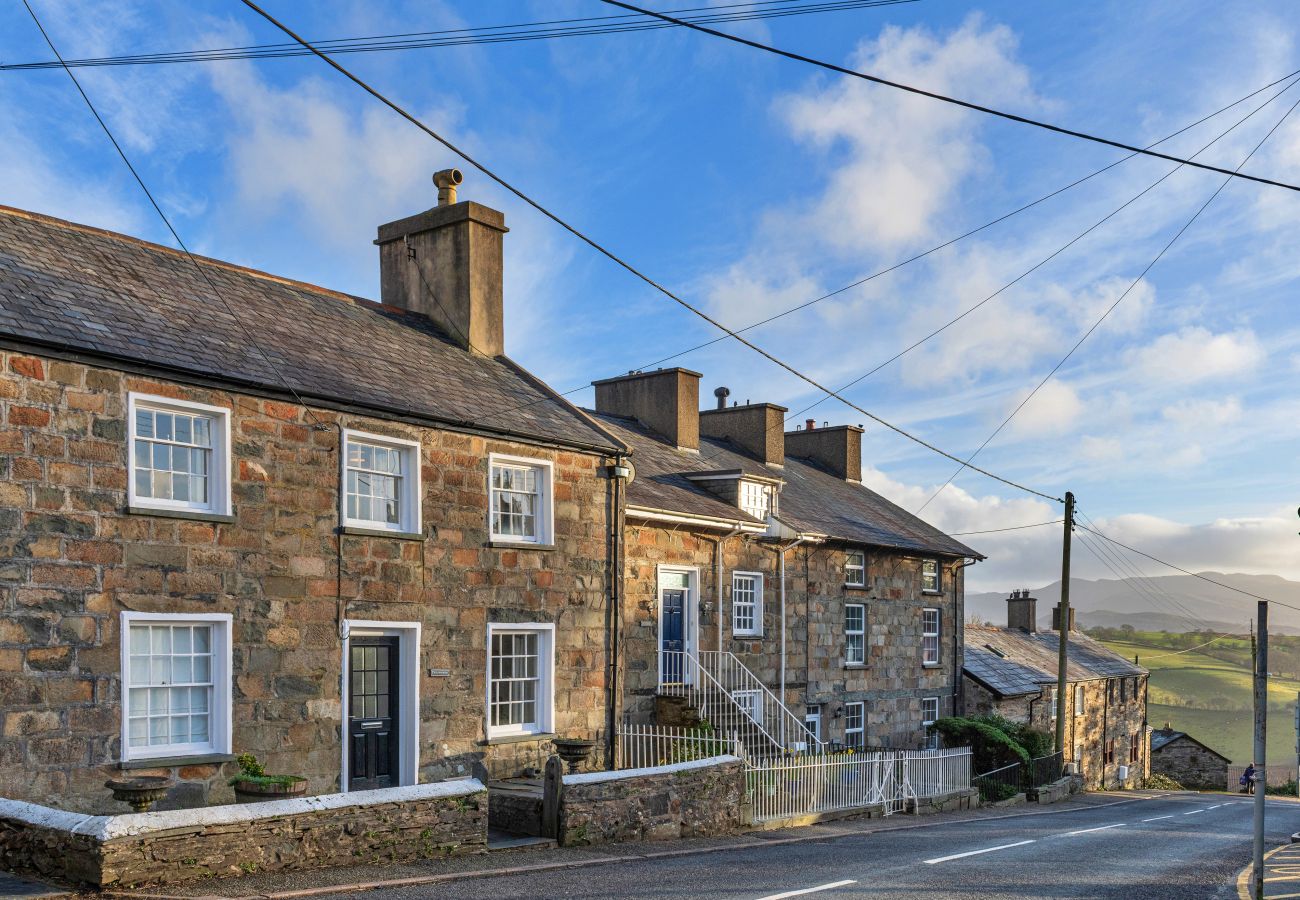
(650, 514)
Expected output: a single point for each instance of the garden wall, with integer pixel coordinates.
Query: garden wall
(390, 825)
(690, 799)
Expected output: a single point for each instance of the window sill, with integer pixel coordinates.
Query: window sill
(382, 533)
(932, 593)
(931, 665)
(192, 515)
(519, 545)
(857, 666)
(747, 635)
(855, 587)
(516, 739)
(166, 762)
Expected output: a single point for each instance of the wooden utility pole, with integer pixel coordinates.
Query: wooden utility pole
(1261, 735)
(1064, 623)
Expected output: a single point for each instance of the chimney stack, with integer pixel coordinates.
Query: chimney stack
(757, 428)
(667, 401)
(1022, 611)
(446, 263)
(838, 448)
(1056, 618)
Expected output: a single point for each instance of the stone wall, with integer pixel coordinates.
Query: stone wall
(1191, 765)
(693, 799)
(391, 825)
(72, 558)
(893, 681)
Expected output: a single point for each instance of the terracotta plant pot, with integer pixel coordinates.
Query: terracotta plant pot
(258, 792)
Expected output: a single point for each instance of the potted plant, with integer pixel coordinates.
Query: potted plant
(253, 785)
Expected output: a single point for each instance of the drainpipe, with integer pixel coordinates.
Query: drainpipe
(617, 473)
(790, 546)
(717, 552)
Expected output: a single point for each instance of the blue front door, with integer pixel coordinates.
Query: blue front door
(674, 600)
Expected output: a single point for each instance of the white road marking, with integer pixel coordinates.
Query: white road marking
(1215, 806)
(1193, 812)
(1158, 818)
(1090, 830)
(811, 890)
(930, 862)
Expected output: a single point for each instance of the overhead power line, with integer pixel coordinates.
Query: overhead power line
(203, 273)
(622, 263)
(483, 34)
(1170, 565)
(966, 104)
(911, 259)
(1120, 299)
(997, 530)
(1055, 253)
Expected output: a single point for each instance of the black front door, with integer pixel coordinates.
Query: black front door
(673, 638)
(372, 714)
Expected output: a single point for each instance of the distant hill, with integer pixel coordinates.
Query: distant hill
(1162, 603)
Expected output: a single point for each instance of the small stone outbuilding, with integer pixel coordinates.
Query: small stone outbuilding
(1186, 760)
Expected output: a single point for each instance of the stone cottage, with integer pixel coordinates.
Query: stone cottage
(240, 513)
(1012, 672)
(1189, 762)
(762, 576)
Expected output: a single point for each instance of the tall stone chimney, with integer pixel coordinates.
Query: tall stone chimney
(837, 448)
(757, 428)
(1056, 618)
(1022, 611)
(666, 401)
(445, 263)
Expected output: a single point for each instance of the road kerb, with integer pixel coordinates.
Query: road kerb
(1292, 880)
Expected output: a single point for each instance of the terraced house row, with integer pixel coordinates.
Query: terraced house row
(243, 514)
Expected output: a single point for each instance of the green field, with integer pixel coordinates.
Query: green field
(1209, 696)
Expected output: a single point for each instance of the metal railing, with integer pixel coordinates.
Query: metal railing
(999, 784)
(1044, 770)
(802, 784)
(731, 698)
(643, 746)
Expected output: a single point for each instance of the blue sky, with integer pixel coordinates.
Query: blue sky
(749, 184)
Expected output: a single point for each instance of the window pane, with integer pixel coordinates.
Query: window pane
(163, 426)
(184, 429)
(143, 423)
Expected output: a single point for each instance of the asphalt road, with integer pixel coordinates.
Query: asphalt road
(1169, 847)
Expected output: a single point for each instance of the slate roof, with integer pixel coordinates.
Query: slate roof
(1160, 737)
(1030, 660)
(813, 500)
(72, 287)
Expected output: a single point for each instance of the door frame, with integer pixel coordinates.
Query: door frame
(408, 695)
(690, 615)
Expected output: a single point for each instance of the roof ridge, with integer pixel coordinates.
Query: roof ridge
(197, 257)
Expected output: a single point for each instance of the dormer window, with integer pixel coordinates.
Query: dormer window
(756, 499)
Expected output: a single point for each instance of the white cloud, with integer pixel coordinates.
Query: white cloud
(1199, 414)
(1195, 353)
(1056, 409)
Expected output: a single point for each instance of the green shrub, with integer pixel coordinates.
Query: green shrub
(1158, 782)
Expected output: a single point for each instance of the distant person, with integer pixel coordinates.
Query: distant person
(1248, 779)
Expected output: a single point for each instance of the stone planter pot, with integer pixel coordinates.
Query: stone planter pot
(257, 792)
(142, 792)
(573, 751)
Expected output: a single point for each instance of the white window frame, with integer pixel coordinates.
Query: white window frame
(848, 661)
(757, 629)
(545, 680)
(926, 634)
(938, 577)
(411, 490)
(1078, 700)
(219, 721)
(862, 724)
(766, 508)
(859, 567)
(219, 503)
(812, 720)
(927, 722)
(545, 515)
(1053, 703)
(751, 703)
